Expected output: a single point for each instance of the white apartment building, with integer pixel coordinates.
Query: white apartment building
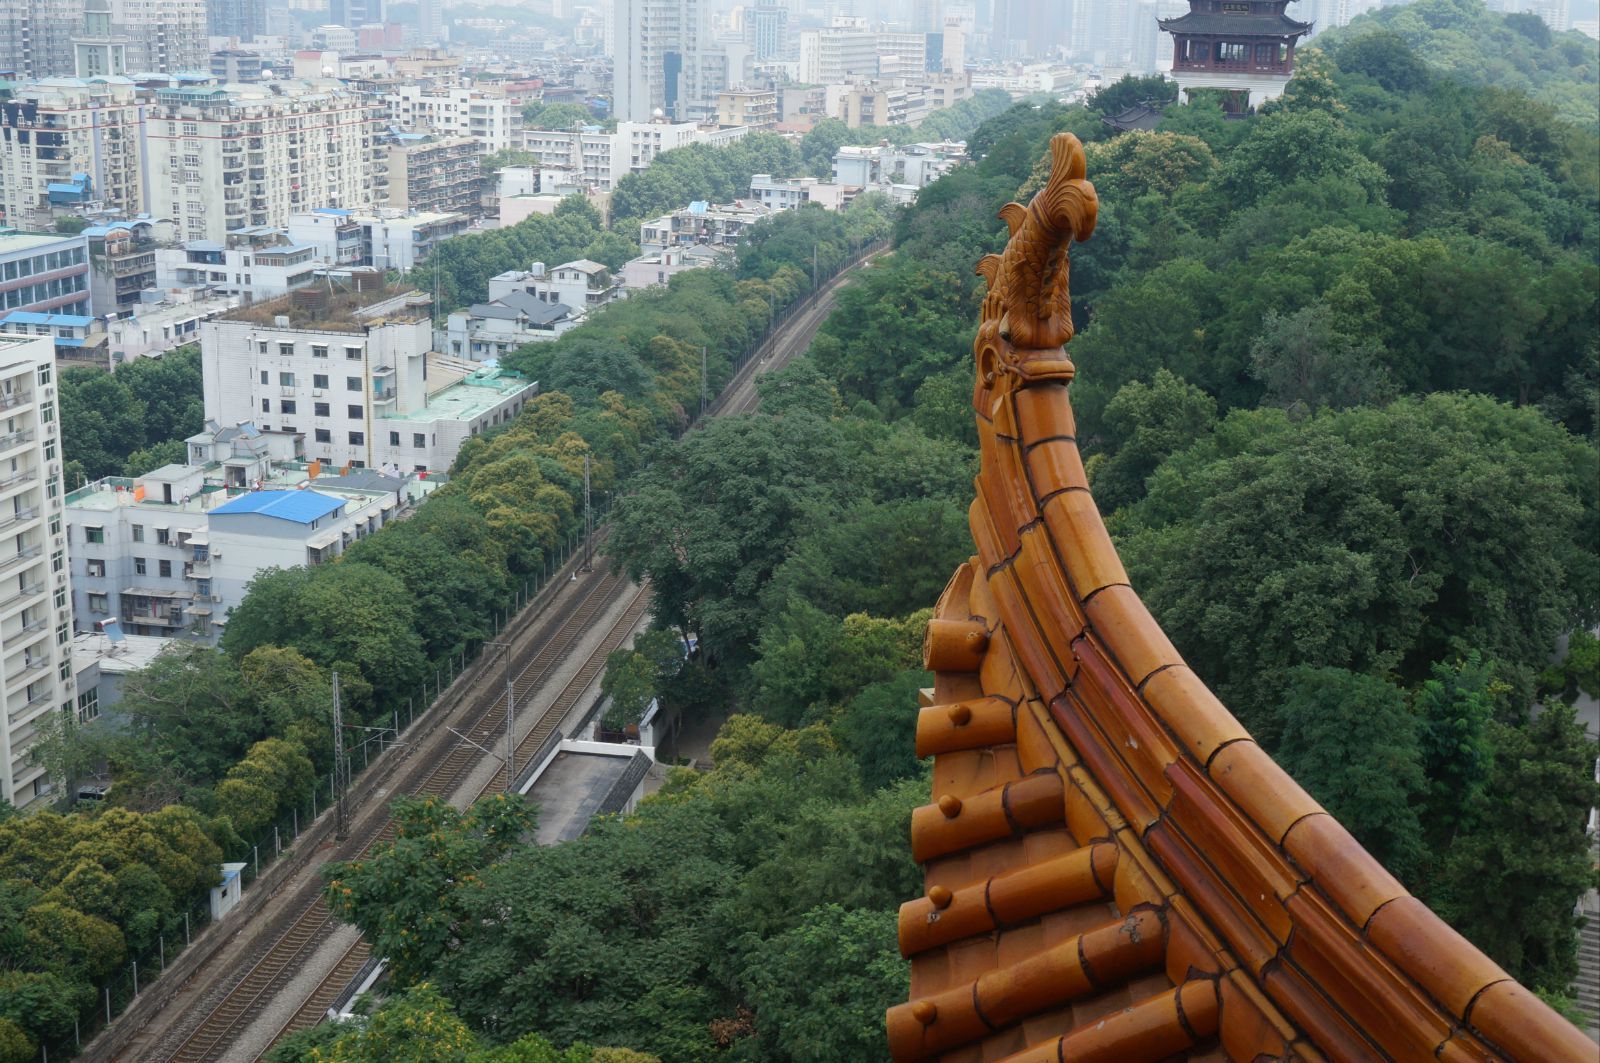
(603, 159)
(665, 60)
(581, 284)
(35, 609)
(255, 264)
(54, 129)
(36, 36)
(787, 193)
(498, 327)
(354, 371)
(840, 54)
(169, 553)
(487, 117)
(165, 36)
(223, 157)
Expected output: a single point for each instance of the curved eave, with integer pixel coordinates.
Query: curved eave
(1115, 869)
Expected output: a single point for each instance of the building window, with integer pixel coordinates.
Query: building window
(1232, 53)
(319, 380)
(58, 561)
(138, 566)
(61, 599)
(353, 412)
(286, 380)
(266, 407)
(44, 374)
(165, 568)
(98, 603)
(55, 525)
(321, 409)
(263, 372)
(89, 706)
(419, 440)
(324, 436)
(285, 350)
(319, 350)
(138, 533)
(356, 439)
(352, 354)
(394, 439)
(63, 634)
(94, 535)
(163, 537)
(286, 406)
(95, 567)
(352, 383)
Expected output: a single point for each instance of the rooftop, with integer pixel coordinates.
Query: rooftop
(579, 785)
(468, 398)
(302, 507)
(344, 309)
(12, 242)
(129, 654)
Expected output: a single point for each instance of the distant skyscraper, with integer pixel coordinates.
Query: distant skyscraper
(661, 61)
(355, 13)
(167, 37)
(767, 29)
(243, 19)
(926, 16)
(36, 36)
(430, 16)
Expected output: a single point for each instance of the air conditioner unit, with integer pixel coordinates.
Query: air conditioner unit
(217, 598)
(316, 393)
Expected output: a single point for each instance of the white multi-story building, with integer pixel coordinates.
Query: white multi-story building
(54, 130)
(254, 264)
(35, 609)
(36, 36)
(490, 118)
(354, 371)
(787, 193)
(169, 553)
(224, 157)
(665, 62)
(165, 36)
(581, 284)
(600, 159)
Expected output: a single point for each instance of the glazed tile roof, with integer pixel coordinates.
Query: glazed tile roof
(1115, 870)
(1220, 25)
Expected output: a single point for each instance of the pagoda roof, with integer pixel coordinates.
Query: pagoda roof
(1224, 25)
(1114, 868)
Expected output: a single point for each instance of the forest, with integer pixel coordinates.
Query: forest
(1338, 376)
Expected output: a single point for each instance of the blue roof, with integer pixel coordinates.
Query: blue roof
(34, 317)
(302, 507)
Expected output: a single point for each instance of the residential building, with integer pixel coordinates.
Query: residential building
(35, 605)
(333, 230)
(162, 321)
(664, 65)
(70, 333)
(243, 19)
(254, 264)
(169, 553)
(766, 27)
(837, 55)
(237, 65)
(498, 327)
(489, 117)
(122, 261)
(400, 241)
(353, 14)
(752, 108)
(66, 141)
(659, 267)
(700, 223)
(97, 51)
(354, 370)
(166, 36)
(223, 157)
(44, 272)
(36, 36)
(581, 284)
(437, 174)
(602, 159)
(101, 665)
(787, 193)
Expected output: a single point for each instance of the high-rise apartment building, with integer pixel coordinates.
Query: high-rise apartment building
(55, 129)
(35, 607)
(225, 157)
(355, 13)
(430, 19)
(487, 116)
(36, 36)
(429, 173)
(98, 51)
(243, 19)
(165, 36)
(664, 60)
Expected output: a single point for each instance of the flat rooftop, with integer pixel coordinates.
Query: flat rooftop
(343, 309)
(116, 492)
(12, 243)
(132, 653)
(468, 398)
(575, 788)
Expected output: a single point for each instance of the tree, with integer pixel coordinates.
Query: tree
(1296, 145)
(818, 988)
(1144, 425)
(1147, 163)
(1351, 741)
(71, 224)
(878, 728)
(99, 417)
(1453, 709)
(1130, 91)
(1510, 883)
(275, 774)
(418, 1026)
(635, 675)
(1307, 361)
(151, 458)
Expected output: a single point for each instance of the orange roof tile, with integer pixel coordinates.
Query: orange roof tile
(1114, 869)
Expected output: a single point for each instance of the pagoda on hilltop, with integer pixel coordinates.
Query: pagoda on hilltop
(1243, 47)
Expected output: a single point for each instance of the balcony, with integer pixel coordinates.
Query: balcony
(20, 558)
(197, 570)
(31, 667)
(155, 619)
(29, 591)
(12, 399)
(21, 516)
(15, 439)
(16, 479)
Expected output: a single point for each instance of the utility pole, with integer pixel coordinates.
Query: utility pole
(813, 267)
(511, 717)
(588, 520)
(703, 402)
(340, 779)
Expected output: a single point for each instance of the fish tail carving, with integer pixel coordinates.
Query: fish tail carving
(1034, 273)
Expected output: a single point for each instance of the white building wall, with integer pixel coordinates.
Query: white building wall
(35, 608)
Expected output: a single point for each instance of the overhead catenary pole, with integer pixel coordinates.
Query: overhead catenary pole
(703, 393)
(588, 519)
(341, 824)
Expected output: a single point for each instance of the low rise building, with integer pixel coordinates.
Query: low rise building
(600, 159)
(659, 267)
(169, 553)
(489, 117)
(162, 321)
(386, 239)
(353, 370)
(69, 332)
(581, 284)
(787, 193)
(750, 108)
(122, 260)
(491, 330)
(255, 263)
(44, 272)
(701, 223)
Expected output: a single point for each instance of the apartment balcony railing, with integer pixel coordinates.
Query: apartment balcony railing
(19, 558)
(16, 438)
(18, 517)
(18, 478)
(12, 399)
(29, 591)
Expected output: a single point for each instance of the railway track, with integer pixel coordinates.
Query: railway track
(310, 922)
(273, 964)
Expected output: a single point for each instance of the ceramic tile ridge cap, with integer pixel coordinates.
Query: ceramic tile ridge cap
(1340, 959)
